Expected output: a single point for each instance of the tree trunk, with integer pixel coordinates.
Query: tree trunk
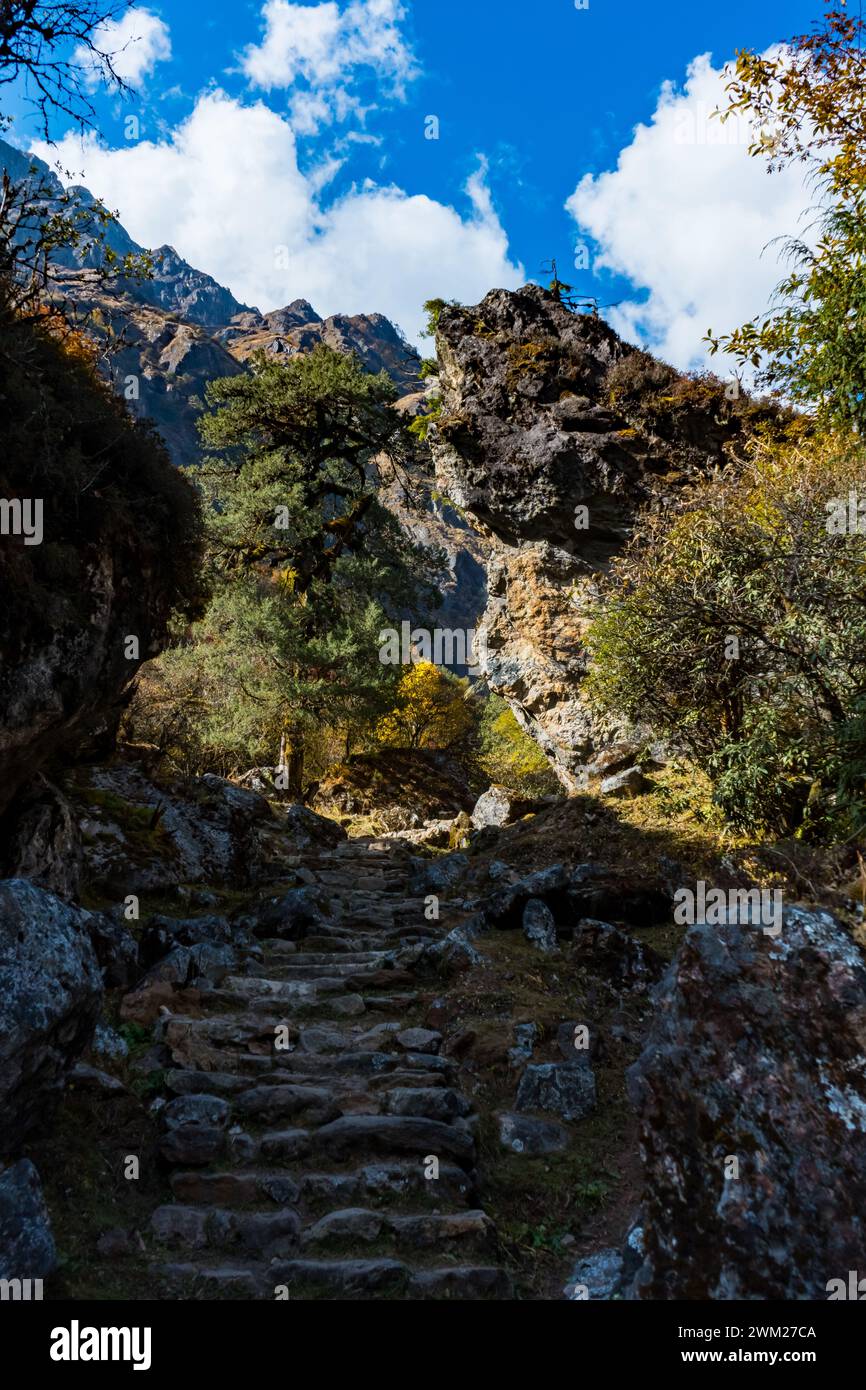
(295, 771)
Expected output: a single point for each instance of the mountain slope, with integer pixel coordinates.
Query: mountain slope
(165, 337)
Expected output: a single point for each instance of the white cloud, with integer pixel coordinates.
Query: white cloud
(260, 225)
(686, 216)
(325, 47)
(135, 43)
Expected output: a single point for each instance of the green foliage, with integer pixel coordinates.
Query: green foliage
(433, 308)
(110, 492)
(306, 564)
(806, 106)
(738, 629)
(420, 426)
(508, 756)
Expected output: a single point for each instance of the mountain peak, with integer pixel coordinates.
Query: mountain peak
(295, 315)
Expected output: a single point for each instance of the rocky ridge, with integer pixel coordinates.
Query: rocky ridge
(552, 434)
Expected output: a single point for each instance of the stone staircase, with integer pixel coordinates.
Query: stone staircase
(319, 1146)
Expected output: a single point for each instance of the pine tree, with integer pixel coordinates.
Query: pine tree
(306, 564)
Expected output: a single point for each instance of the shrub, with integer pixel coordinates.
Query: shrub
(507, 755)
(739, 629)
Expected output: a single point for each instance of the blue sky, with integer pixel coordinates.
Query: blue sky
(282, 148)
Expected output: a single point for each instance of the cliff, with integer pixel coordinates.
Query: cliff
(553, 434)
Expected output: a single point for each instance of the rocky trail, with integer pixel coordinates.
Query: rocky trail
(318, 1143)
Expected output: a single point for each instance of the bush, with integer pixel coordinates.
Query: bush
(509, 757)
(111, 496)
(738, 629)
(434, 709)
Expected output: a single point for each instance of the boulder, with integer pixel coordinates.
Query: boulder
(307, 830)
(116, 949)
(499, 806)
(563, 1088)
(291, 916)
(50, 997)
(616, 757)
(26, 1242)
(527, 1035)
(505, 906)
(597, 1276)
(455, 953)
(751, 1099)
(616, 956)
(164, 934)
(524, 1134)
(439, 875)
(539, 926)
(108, 1043)
(628, 783)
(143, 835)
(189, 965)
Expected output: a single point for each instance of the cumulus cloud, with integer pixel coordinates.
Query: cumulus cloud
(135, 43)
(689, 217)
(321, 49)
(260, 225)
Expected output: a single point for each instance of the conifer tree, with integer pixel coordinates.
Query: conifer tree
(306, 564)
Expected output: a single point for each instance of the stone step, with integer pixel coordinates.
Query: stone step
(247, 1280)
(383, 1277)
(264, 1104)
(336, 1002)
(260, 1234)
(347, 959)
(341, 1278)
(405, 1231)
(390, 1003)
(468, 1283)
(235, 1189)
(385, 1180)
(247, 987)
(342, 1166)
(426, 1102)
(391, 1134)
(338, 945)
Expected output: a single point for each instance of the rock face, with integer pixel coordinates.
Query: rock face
(50, 994)
(43, 842)
(756, 1061)
(553, 433)
(143, 835)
